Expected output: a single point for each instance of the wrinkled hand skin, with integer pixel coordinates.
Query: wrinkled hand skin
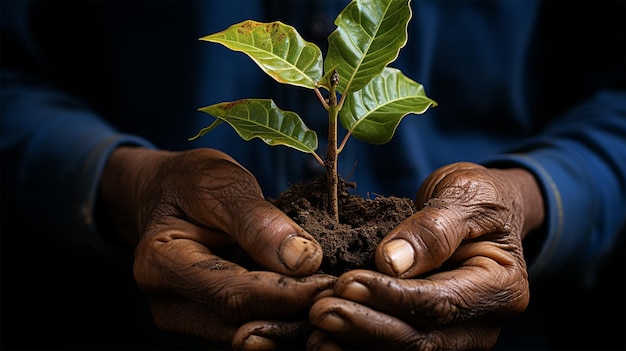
(452, 273)
(178, 208)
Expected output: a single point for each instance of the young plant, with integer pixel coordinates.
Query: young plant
(368, 98)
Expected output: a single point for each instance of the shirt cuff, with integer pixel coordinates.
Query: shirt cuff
(543, 247)
(59, 179)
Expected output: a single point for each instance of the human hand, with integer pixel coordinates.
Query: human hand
(180, 209)
(451, 273)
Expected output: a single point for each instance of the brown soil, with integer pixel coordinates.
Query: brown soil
(363, 222)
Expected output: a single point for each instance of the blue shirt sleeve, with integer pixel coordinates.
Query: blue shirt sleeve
(55, 145)
(58, 148)
(580, 163)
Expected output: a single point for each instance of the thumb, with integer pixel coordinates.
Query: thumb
(215, 191)
(275, 241)
(428, 238)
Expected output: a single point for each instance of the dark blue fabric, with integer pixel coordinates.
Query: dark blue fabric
(518, 83)
(486, 64)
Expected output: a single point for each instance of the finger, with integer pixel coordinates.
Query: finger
(275, 241)
(190, 318)
(480, 287)
(271, 334)
(344, 319)
(465, 204)
(321, 340)
(186, 317)
(341, 320)
(422, 242)
(227, 197)
(173, 261)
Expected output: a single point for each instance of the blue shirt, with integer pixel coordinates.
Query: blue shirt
(516, 87)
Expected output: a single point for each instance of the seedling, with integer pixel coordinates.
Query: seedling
(367, 97)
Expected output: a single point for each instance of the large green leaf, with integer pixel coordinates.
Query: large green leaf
(260, 118)
(368, 37)
(373, 113)
(277, 48)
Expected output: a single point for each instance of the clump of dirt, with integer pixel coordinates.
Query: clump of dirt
(363, 222)
(349, 244)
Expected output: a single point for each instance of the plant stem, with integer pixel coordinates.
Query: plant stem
(331, 157)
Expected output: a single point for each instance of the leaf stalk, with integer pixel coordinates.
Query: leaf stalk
(322, 99)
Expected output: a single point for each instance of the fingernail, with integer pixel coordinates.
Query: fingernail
(328, 346)
(399, 253)
(255, 342)
(331, 322)
(295, 251)
(356, 291)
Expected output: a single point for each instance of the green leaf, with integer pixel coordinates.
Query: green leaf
(368, 37)
(260, 118)
(277, 49)
(373, 113)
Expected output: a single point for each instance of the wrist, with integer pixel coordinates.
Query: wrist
(126, 177)
(528, 189)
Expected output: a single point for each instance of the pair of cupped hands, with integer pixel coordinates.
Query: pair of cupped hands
(448, 276)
